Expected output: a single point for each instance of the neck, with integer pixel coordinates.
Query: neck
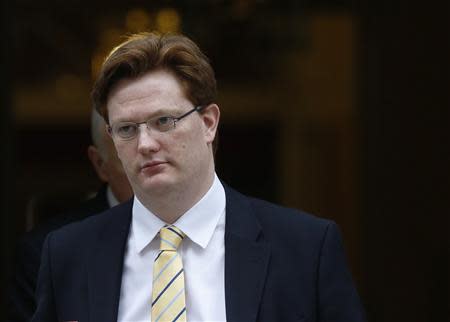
(170, 206)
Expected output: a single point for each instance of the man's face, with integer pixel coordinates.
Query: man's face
(159, 163)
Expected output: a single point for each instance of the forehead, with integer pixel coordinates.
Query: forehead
(158, 89)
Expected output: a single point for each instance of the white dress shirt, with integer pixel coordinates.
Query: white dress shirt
(202, 253)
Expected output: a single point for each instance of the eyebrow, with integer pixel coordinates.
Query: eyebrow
(160, 112)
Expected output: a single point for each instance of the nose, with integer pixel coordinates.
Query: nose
(147, 142)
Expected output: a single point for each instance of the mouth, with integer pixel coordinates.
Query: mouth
(152, 165)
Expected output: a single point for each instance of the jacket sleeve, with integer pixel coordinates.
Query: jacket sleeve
(45, 301)
(338, 300)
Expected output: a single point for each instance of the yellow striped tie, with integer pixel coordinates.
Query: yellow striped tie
(168, 299)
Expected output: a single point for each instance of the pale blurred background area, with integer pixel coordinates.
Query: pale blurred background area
(339, 108)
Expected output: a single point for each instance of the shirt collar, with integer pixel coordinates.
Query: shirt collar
(144, 225)
(198, 223)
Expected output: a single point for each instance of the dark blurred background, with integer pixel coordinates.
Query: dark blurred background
(339, 108)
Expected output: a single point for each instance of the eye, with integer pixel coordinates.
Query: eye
(163, 120)
(126, 130)
(163, 123)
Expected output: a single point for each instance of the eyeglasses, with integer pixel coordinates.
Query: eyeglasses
(129, 130)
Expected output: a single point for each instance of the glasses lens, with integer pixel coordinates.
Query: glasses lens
(125, 130)
(161, 124)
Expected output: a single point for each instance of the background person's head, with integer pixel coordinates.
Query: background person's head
(103, 157)
(145, 52)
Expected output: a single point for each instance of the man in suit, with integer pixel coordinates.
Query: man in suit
(187, 247)
(115, 189)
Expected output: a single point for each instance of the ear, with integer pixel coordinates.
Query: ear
(97, 162)
(108, 130)
(210, 117)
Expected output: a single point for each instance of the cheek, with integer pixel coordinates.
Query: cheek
(179, 141)
(117, 167)
(120, 158)
(123, 153)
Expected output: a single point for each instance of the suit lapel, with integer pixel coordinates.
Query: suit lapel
(246, 259)
(106, 264)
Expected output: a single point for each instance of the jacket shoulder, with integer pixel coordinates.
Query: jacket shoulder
(273, 220)
(275, 213)
(289, 223)
(84, 231)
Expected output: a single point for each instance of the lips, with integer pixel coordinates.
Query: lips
(152, 165)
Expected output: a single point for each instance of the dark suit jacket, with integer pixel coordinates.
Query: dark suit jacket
(280, 265)
(28, 256)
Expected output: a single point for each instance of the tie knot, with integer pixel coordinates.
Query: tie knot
(171, 238)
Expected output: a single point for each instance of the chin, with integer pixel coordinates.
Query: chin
(157, 184)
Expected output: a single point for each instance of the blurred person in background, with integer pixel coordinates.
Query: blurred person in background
(187, 247)
(115, 189)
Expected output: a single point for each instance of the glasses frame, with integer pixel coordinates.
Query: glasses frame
(198, 108)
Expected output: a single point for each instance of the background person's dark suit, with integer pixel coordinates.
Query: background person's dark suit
(280, 265)
(22, 302)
